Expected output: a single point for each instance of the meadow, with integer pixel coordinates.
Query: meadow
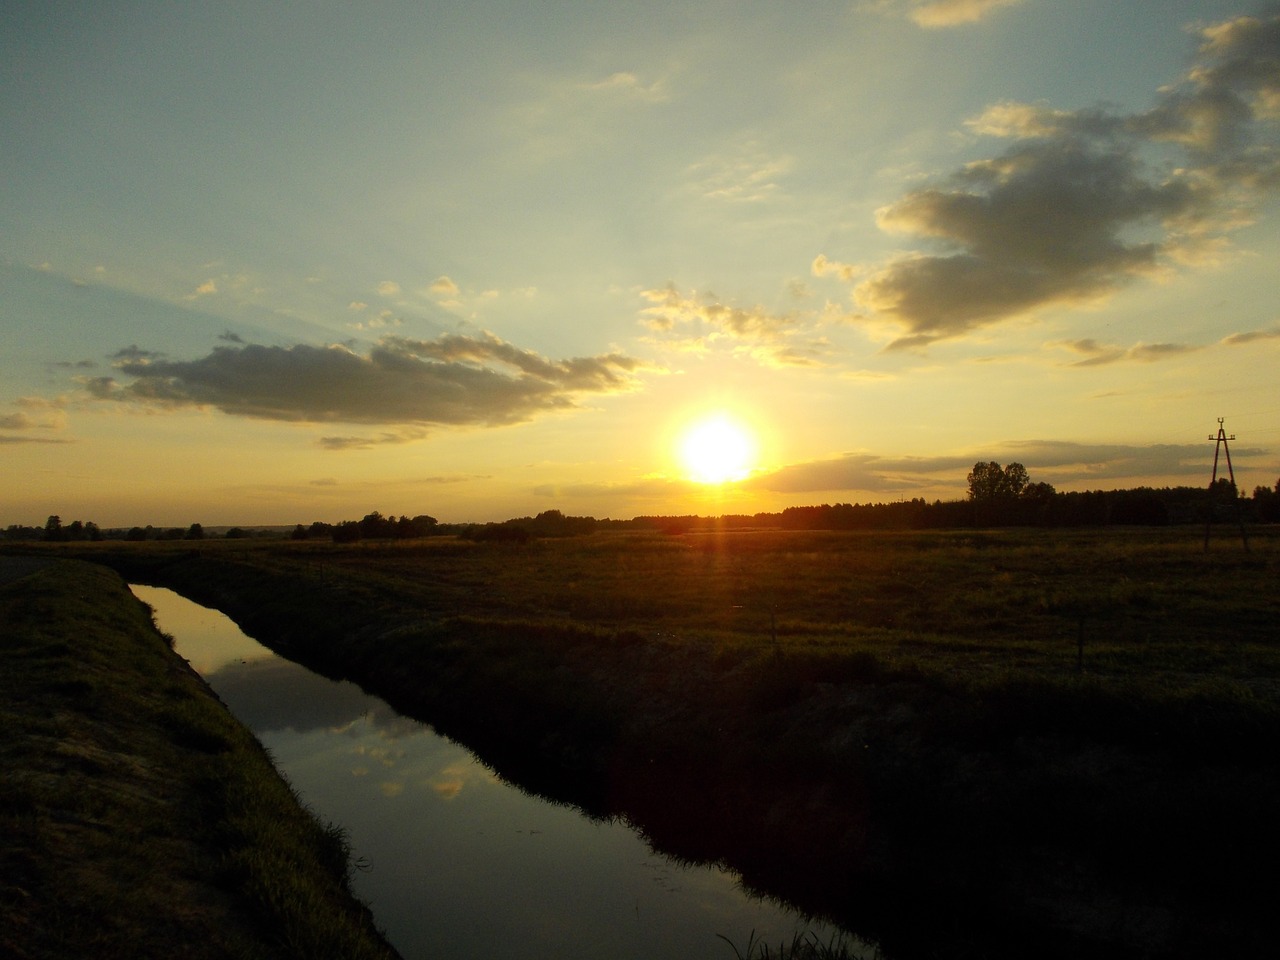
(1030, 736)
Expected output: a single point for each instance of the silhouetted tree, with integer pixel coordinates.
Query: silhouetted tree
(1266, 503)
(53, 528)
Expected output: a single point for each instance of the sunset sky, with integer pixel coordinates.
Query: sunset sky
(297, 261)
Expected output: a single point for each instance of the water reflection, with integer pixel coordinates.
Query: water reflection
(462, 864)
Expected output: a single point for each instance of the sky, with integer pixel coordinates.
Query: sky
(299, 261)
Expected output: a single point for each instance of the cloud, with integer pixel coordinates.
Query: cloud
(933, 14)
(1053, 461)
(862, 472)
(1085, 202)
(388, 288)
(749, 176)
(443, 287)
(134, 355)
(951, 13)
(630, 86)
(769, 338)
(1097, 354)
(35, 413)
(824, 267)
(393, 437)
(452, 380)
(204, 290)
(7, 438)
(1271, 333)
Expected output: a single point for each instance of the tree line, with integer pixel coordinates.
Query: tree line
(997, 496)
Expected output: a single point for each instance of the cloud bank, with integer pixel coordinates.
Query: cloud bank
(1084, 202)
(453, 380)
(1052, 461)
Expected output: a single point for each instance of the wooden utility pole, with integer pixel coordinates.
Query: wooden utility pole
(1221, 446)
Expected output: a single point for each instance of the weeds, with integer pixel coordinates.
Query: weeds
(803, 946)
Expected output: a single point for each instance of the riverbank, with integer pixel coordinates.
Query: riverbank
(139, 819)
(992, 745)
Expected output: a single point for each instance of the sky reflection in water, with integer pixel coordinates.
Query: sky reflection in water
(459, 863)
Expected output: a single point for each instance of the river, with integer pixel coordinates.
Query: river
(452, 860)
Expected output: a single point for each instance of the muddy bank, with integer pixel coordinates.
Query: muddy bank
(139, 819)
(884, 801)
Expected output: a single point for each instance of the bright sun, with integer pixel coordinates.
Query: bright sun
(717, 449)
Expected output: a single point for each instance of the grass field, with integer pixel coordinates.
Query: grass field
(139, 819)
(1069, 735)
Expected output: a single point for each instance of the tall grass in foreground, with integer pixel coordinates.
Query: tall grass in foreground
(803, 946)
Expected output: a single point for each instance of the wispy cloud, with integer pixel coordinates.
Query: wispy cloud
(1095, 354)
(933, 14)
(629, 85)
(1249, 336)
(696, 322)
(749, 175)
(452, 380)
(1085, 202)
(952, 13)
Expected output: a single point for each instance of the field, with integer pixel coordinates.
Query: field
(1042, 740)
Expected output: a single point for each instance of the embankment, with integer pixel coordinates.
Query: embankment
(1035, 819)
(138, 818)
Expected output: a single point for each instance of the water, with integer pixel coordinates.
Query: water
(454, 861)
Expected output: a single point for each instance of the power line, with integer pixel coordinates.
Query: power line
(1222, 446)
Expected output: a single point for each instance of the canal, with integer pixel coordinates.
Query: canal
(452, 860)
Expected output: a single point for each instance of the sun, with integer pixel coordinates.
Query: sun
(717, 449)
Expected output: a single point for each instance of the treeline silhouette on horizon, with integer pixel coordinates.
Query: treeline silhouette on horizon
(997, 497)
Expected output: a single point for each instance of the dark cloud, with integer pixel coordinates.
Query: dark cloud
(1084, 202)
(1249, 336)
(1052, 461)
(1097, 354)
(453, 380)
(1076, 463)
(133, 354)
(392, 437)
(6, 438)
(863, 472)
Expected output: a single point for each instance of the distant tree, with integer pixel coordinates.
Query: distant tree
(1015, 480)
(986, 480)
(374, 526)
(194, 532)
(1266, 503)
(53, 528)
(136, 535)
(299, 533)
(348, 531)
(238, 533)
(319, 530)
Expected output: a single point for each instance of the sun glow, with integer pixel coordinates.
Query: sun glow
(717, 449)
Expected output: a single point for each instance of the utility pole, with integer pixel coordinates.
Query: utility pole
(1221, 446)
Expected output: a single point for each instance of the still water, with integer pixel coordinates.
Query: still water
(455, 862)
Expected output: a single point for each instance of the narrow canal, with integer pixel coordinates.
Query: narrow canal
(453, 861)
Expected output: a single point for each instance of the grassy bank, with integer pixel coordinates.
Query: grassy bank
(1045, 743)
(139, 819)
